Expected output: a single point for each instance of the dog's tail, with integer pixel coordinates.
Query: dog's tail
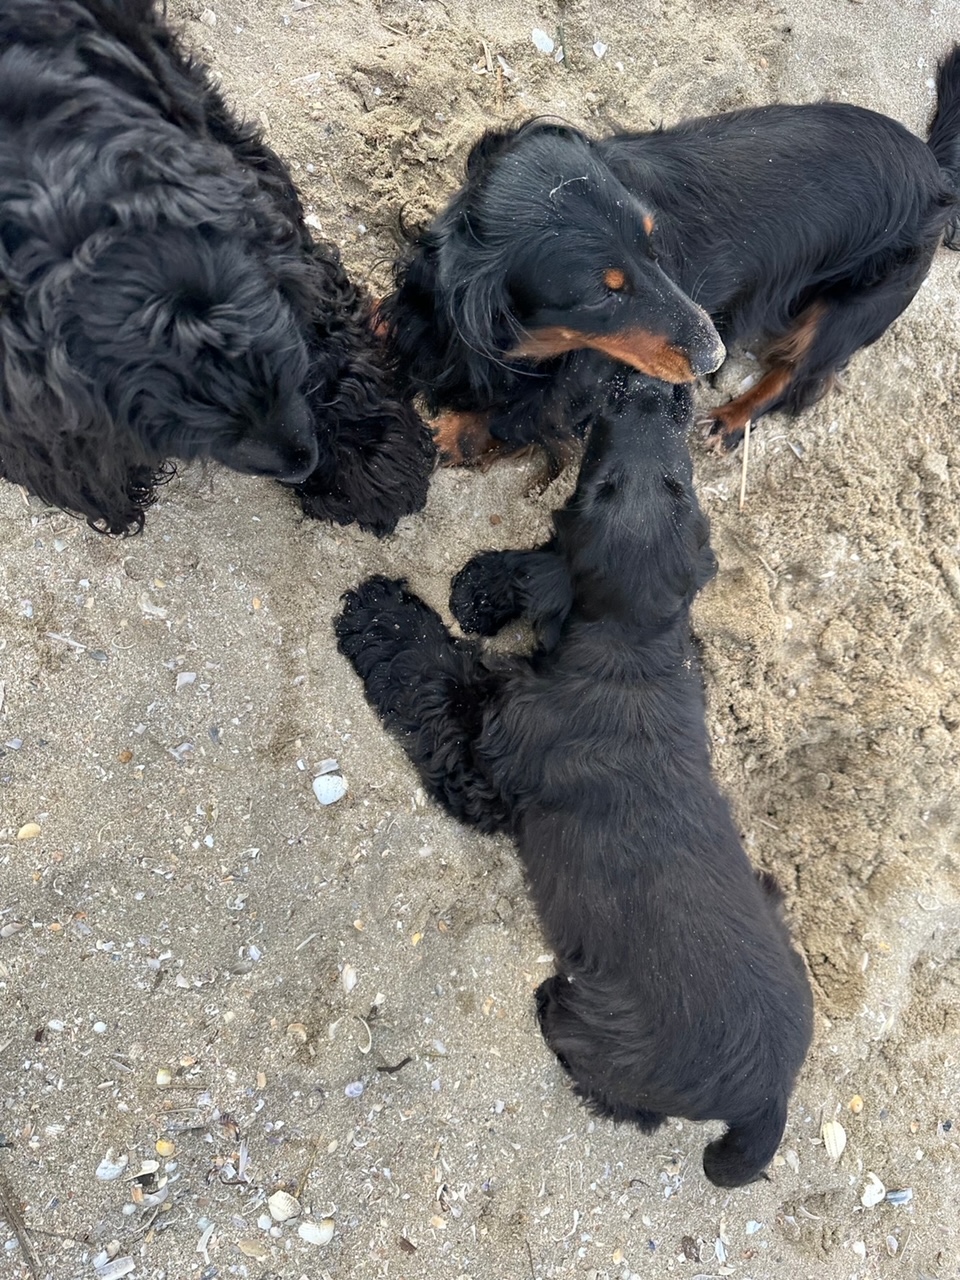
(944, 136)
(744, 1151)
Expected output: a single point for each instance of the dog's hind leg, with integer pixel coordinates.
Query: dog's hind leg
(495, 587)
(579, 1054)
(429, 689)
(741, 1154)
(804, 362)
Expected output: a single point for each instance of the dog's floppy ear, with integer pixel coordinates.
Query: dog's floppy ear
(495, 141)
(483, 151)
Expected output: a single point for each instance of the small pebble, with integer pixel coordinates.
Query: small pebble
(164, 1077)
(893, 1245)
(29, 831)
(855, 1104)
(164, 1147)
(354, 1089)
(599, 49)
(253, 1248)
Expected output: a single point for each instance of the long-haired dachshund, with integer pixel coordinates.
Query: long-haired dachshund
(809, 227)
(160, 294)
(678, 991)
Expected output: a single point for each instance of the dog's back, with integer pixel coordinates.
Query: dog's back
(679, 992)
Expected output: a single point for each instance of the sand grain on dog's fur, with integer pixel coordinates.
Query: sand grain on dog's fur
(190, 907)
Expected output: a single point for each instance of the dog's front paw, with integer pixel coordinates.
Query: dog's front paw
(725, 427)
(483, 595)
(369, 627)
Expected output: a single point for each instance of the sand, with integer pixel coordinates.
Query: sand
(189, 909)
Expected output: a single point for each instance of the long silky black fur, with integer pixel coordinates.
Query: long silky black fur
(160, 294)
(677, 990)
(756, 214)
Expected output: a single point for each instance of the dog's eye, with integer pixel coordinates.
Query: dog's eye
(615, 279)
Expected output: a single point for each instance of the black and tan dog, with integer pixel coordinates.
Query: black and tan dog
(678, 991)
(160, 294)
(807, 227)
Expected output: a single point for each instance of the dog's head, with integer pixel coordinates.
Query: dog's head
(633, 531)
(545, 251)
(196, 344)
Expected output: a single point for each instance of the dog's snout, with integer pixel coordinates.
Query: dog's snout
(706, 350)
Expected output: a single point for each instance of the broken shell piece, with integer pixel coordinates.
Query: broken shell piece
(283, 1206)
(348, 976)
(164, 1147)
(855, 1104)
(873, 1191)
(115, 1268)
(903, 1196)
(29, 831)
(834, 1138)
(164, 1077)
(329, 788)
(111, 1167)
(317, 1232)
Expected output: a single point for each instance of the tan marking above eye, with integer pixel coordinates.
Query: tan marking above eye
(614, 278)
(649, 225)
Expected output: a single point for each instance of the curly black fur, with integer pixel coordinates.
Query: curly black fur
(160, 294)
(810, 227)
(678, 991)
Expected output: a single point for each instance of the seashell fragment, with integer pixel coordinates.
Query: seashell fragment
(111, 1167)
(329, 788)
(115, 1268)
(29, 831)
(283, 1206)
(348, 976)
(834, 1138)
(903, 1196)
(873, 1192)
(317, 1232)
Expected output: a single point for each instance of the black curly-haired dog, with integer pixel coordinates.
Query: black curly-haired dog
(160, 294)
(810, 227)
(678, 991)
